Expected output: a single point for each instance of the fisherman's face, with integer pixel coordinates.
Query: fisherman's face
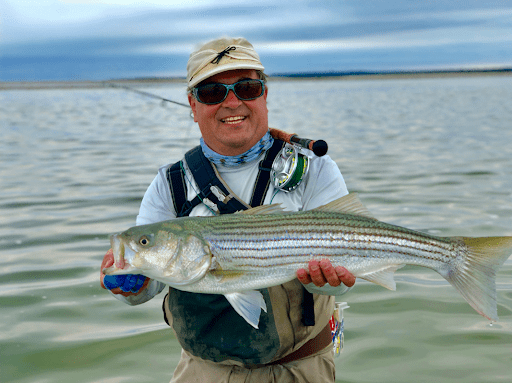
(233, 126)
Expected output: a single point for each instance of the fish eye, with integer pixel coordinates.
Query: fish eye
(144, 240)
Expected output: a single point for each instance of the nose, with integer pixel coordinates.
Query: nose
(231, 101)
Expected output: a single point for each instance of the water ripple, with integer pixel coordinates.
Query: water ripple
(429, 154)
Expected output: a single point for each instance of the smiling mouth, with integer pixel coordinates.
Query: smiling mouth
(233, 120)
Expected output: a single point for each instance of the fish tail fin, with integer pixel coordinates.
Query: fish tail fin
(474, 273)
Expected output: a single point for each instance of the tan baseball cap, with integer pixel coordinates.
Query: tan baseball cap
(221, 55)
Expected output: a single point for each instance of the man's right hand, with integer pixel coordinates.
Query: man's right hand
(126, 285)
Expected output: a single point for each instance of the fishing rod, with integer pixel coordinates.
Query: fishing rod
(113, 85)
(290, 165)
(319, 147)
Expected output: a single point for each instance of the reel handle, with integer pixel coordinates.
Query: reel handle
(319, 147)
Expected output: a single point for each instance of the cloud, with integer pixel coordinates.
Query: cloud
(303, 34)
(32, 20)
(414, 39)
(323, 34)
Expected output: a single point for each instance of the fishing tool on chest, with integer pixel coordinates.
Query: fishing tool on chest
(291, 166)
(337, 323)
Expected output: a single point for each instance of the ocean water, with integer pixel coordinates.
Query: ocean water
(430, 154)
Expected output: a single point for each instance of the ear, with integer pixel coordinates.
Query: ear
(193, 104)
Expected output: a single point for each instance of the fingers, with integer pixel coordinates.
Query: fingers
(132, 283)
(138, 285)
(322, 272)
(303, 277)
(129, 293)
(125, 285)
(328, 273)
(129, 282)
(108, 260)
(345, 276)
(316, 272)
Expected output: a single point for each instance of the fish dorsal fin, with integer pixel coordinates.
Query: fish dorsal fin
(348, 204)
(275, 208)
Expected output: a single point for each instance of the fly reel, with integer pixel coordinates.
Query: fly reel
(289, 168)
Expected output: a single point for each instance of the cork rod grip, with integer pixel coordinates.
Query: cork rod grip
(319, 147)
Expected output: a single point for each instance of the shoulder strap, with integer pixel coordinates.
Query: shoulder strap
(263, 179)
(211, 188)
(177, 186)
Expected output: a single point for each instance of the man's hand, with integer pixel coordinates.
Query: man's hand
(322, 272)
(125, 285)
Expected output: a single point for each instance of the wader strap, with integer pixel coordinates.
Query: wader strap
(263, 179)
(208, 183)
(178, 187)
(206, 178)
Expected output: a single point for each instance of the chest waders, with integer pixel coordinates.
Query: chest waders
(206, 324)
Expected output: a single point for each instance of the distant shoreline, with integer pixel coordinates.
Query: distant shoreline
(353, 75)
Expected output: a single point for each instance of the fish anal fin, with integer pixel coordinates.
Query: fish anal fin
(383, 277)
(348, 204)
(248, 304)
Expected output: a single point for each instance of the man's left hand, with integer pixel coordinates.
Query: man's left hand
(322, 272)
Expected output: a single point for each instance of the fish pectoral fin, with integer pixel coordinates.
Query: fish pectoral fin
(348, 204)
(248, 304)
(383, 277)
(223, 276)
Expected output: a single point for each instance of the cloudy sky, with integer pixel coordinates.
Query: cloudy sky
(104, 39)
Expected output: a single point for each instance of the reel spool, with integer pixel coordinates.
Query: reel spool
(289, 168)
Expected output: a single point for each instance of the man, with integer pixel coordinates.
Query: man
(227, 94)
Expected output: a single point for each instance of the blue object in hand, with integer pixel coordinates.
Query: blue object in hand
(128, 283)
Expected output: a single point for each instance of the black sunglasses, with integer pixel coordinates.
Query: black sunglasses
(215, 93)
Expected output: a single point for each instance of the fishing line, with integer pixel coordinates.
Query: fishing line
(275, 193)
(147, 94)
(319, 147)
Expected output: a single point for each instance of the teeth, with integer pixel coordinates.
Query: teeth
(233, 120)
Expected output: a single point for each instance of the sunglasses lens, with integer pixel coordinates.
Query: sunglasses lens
(211, 93)
(216, 93)
(248, 89)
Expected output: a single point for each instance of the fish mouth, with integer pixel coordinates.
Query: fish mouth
(122, 255)
(118, 249)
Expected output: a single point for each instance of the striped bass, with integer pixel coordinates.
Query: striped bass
(236, 254)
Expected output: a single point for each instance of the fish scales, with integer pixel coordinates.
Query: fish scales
(237, 253)
(303, 236)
